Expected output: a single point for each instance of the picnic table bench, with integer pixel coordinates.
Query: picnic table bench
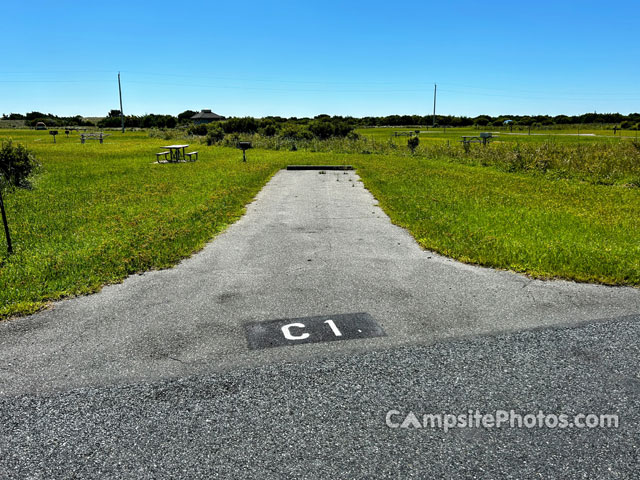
(162, 154)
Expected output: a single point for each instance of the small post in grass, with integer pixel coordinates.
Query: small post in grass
(6, 225)
(53, 133)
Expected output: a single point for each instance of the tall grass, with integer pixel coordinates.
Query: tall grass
(605, 162)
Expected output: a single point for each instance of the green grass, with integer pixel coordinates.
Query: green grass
(101, 212)
(546, 228)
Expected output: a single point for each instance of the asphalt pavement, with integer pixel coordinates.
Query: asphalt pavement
(159, 376)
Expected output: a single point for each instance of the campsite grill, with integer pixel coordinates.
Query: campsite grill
(244, 146)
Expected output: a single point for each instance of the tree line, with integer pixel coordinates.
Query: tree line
(325, 125)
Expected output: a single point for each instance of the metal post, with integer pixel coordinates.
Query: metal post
(6, 225)
(435, 88)
(244, 155)
(121, 112)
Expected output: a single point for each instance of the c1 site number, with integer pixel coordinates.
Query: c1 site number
(298, 335)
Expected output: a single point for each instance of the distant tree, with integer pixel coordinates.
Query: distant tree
(35, 115)
(110, 121)
(16, 165)
(406, 120)
(526, 121)
(240, 125)
(562, 120)
(186, 115)
(149, 121)
(465, 122)
(269, 128)
(322, 129)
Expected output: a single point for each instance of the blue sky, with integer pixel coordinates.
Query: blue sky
(304, 58)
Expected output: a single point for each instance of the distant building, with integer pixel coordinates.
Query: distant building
(206, 116)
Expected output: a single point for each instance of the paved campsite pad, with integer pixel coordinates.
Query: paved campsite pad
(310, 245)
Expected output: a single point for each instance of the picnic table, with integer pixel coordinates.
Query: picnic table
(406, 134)
(97, 136)
(175, 153)
(484, 138)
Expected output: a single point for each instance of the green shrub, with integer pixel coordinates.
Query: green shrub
(295, 132)
(413, 143)
(16, 166)
(268, 130)
(17, 163)
(240, 125)
(161, 133)
(200, 130)
(215, 134)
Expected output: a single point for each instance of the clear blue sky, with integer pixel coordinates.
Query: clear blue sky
(303, 58)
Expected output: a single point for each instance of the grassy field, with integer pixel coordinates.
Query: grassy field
(598, 159)
(101, 212)
(572, 134)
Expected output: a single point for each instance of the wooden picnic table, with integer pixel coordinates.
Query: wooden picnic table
(483, 138)
(88, 136)
(174, 152)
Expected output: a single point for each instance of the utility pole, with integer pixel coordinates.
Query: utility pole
(435, 88)
(121, 112)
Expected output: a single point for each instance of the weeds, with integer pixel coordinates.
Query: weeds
(604, 163)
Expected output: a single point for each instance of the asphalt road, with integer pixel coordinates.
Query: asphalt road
(154, 378)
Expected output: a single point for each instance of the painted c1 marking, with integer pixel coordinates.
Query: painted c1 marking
(286, 330)
(334, 329)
